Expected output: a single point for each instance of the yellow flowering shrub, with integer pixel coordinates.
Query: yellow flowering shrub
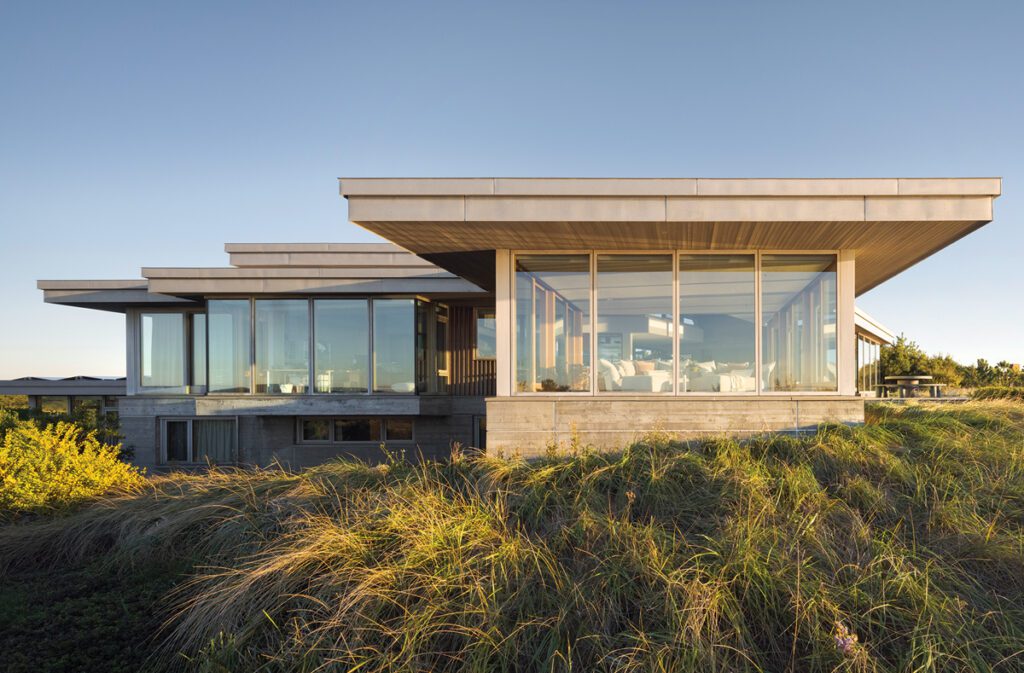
(57, 465)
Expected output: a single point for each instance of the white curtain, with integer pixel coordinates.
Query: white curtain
(213, 441)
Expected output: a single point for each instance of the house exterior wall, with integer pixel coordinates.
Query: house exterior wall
(528, 426)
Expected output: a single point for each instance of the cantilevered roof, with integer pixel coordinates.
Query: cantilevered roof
(105, 295)
(867, 324)
(891, 223)
(271, 268)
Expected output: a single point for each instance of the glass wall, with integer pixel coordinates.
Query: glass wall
(229, 345)
(163, 350)
(798, 313)
(341, 331)
(868, 361)
(717, 324)
(552, 323)
(634, 323)
(394, 346)
(486, 334)
(710, 346)
(282, 346)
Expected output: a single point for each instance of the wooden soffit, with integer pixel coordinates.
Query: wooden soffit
(890, 223)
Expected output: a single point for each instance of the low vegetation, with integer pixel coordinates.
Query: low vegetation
(999, 393)
(57, 465)
(896, 546)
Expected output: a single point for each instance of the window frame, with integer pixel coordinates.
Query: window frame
(476, 339)
(190, 420)
(332, 425)
(676, 253)
(187, 317)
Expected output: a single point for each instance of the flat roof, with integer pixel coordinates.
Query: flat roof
(456, 223)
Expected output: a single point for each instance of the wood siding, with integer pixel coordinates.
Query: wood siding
(469, 376)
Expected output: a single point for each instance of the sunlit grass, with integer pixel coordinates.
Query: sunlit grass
(896, 546)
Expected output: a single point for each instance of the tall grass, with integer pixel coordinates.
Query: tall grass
(896, 546)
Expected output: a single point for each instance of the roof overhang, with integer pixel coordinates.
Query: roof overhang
(865, 324)
(891, 223)
(106, 295)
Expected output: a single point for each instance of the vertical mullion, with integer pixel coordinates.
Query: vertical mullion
(758, 357)
(677, 321)
(311, 352)
(371, 363)
(593, 322)
(252, 346)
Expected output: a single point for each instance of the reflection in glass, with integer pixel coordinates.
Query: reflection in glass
(486, 334)
(341, 329)
(198, 349)
(717, 324)
(399, 429)
(798, 311)
(868, 376)
(394, 346)
(229, 345)
(634, 323)
(282, 346)
(552, 323)
(357, 430)
(316, 430)
(163, 350)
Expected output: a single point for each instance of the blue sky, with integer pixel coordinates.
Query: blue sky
(148, 134)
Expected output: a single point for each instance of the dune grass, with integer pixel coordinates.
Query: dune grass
(896, 546)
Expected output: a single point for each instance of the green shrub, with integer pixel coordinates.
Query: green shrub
(57, 465)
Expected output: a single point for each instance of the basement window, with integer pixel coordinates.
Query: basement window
(198, 440)
(354, 430)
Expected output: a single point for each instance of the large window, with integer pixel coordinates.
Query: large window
(634, 323)
(552, 323)
(341, 331)
(394, 346)
(354, 429)
(282, 346)
(798, 313)
(163, 350)
(717, 327)
(199, 440)
(229, 345)
(675, 322)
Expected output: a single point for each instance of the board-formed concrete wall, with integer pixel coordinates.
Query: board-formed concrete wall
(267, 434)
(528, 425)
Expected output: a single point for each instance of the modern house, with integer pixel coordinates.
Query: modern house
(512, 314)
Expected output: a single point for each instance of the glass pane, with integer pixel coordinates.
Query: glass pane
(552, 323)
(199, 349)
(229, 345)
(341, 328)
(634, 323)
(213, 441)
(399, 429)
(163, 350)
(486, 334)
(357, 430)
(177, 441)
(394, 346)
(54, 404)
(316, 430)
(282, 346)
(798, 310)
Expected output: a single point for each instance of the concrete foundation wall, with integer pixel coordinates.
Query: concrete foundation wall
(526, 426)
(267, 435)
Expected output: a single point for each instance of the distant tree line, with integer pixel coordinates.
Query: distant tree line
(906, 357)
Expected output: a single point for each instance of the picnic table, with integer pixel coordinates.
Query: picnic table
(905, 385)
